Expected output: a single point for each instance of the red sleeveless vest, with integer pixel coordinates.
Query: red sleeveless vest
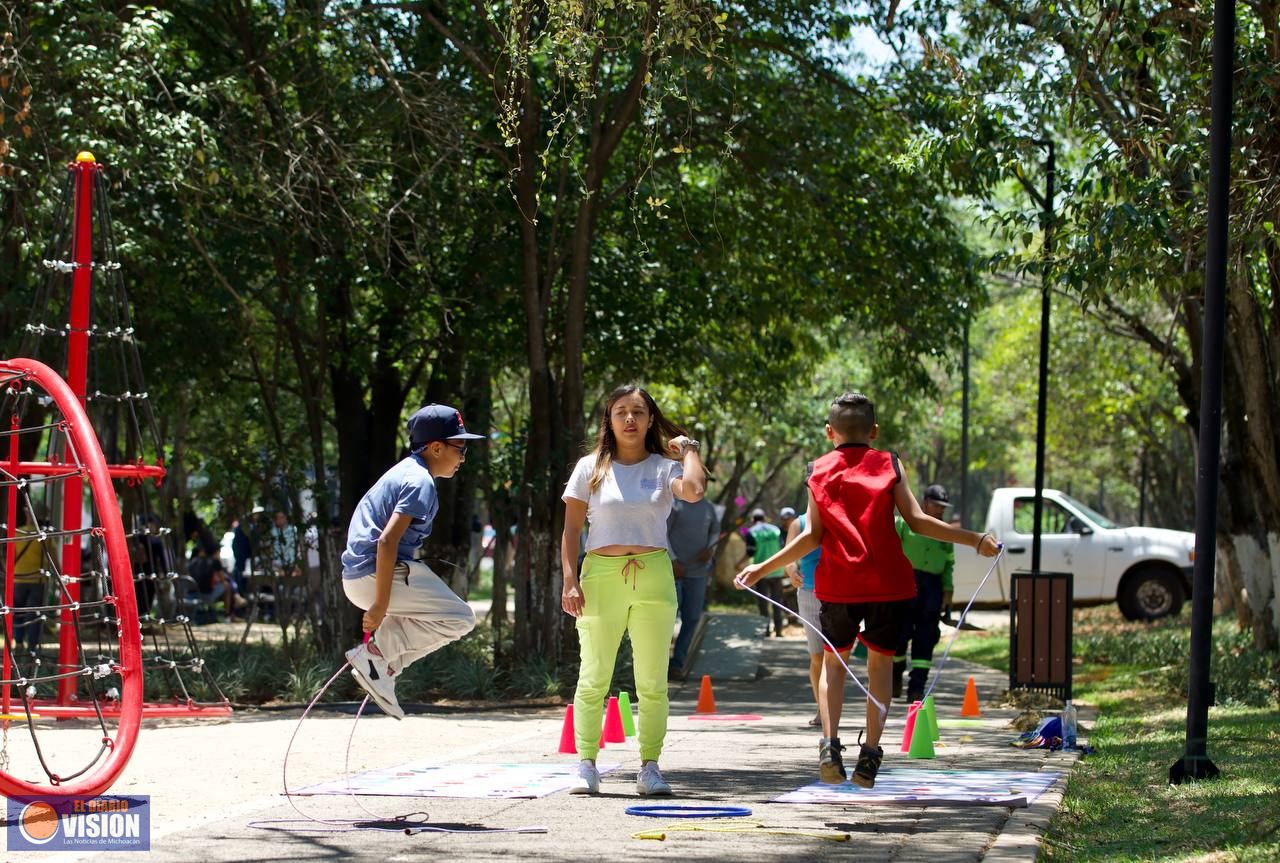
(862, 558)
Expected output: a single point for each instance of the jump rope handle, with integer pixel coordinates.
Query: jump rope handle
(367, 636)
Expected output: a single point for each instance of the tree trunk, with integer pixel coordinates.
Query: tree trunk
(340, 626)
(452, 535)
(1250, 511)
(537, 556)
(352, 421)
(556, 409)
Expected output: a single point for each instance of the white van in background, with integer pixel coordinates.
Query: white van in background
(1145, 570)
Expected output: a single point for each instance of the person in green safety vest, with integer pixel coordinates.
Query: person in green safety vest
(934, 562)
(763, 541)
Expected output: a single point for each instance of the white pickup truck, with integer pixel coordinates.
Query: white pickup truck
(1145, 570)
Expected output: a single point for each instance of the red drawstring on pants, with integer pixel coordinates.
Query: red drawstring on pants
(630, 569)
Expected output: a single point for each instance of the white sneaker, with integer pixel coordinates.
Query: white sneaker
(649, 782)
(587, 781)
(373, 675)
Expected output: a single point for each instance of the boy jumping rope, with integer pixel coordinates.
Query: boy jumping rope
(863, 578)
(408, 608)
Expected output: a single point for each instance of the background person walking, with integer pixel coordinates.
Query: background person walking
(801, 574)
(693, 531)
(763, 541)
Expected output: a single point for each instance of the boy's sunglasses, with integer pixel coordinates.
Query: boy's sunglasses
(460, 447)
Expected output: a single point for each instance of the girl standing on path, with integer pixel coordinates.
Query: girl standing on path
(625, 488)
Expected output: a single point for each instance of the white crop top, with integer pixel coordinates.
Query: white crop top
(632, 503)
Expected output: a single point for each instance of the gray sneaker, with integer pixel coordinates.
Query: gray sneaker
(830, 763)
(587, 781)
(375, 677)
(649, 782)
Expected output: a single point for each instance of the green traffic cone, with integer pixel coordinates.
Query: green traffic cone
(921, 739)
(628, 719)
(932, 713)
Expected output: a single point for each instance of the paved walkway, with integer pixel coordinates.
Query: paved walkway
(209, 780)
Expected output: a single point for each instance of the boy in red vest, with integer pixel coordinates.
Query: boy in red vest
(863, 578)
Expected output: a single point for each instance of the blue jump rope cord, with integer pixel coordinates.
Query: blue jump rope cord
(689, 811)
(884, 710)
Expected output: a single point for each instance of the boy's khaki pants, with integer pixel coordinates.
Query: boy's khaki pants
(424, 614)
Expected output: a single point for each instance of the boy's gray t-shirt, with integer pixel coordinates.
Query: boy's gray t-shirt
(407, 487)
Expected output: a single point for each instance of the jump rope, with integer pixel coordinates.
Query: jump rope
(725, 816)
(937, 673)
(407, 823)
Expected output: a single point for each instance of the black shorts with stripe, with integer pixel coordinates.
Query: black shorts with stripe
(881, 624)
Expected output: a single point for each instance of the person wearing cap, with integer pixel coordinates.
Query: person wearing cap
(934, 562)
(409, 610)
(763, 541)
(625, 487)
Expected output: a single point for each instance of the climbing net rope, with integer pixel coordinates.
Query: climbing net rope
(77, 574)
(117, 402)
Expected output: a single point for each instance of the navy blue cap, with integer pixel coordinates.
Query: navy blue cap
(938, 494)
(437, 422)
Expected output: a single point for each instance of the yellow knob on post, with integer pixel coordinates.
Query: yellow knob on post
(85, 156)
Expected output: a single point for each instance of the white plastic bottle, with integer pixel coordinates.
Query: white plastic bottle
(1069, 726)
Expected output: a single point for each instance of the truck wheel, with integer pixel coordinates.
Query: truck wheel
(1150, 593)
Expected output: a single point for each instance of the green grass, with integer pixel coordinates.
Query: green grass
(989, 648)
(1119, 805)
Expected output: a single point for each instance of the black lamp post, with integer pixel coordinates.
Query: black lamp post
(1194, 763)
(1045, 202)
(964, 429)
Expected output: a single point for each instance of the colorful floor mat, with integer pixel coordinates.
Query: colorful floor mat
(423, 779)
(917, 787)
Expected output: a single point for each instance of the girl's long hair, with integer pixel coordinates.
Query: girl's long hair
(655, 440)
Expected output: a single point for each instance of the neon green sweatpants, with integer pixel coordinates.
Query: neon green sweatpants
(635, 594)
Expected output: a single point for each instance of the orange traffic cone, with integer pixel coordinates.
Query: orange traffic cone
(613, 732)
(706, 699)
(970, 706)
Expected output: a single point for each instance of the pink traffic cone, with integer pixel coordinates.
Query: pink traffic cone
(613, 732)
(567, 745)
(912, 710)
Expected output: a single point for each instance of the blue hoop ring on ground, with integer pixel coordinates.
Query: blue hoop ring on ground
(689, 811)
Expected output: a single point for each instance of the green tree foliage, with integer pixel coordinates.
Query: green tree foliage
(1124, 90)
(336, 212)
